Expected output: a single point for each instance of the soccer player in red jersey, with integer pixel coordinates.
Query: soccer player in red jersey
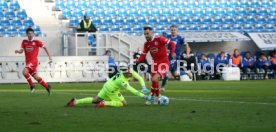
(31, 48)
(157, 46)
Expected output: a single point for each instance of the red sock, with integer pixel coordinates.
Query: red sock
(44, 84)
(29, 79)
(155, 88)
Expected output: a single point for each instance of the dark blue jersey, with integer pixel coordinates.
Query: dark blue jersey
(179, 41)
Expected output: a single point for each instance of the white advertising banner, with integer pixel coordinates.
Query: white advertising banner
(214, 37)
(265, 41)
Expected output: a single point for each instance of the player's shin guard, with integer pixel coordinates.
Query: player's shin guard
(113, 103)
(155, 88)
(164, 81)
(87, 100)
(43, 83)
(29, 79)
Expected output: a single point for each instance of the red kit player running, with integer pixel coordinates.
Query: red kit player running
(31, 49)
(157, 46)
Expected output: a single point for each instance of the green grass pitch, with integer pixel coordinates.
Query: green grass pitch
(211, 106)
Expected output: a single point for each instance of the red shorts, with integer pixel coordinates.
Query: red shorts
(31, 68)
(161, 69)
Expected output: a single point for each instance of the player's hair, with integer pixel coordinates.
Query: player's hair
(174, 26)
(29, 30)
(147, 28)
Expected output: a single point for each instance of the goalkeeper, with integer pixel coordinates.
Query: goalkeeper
(110, 93)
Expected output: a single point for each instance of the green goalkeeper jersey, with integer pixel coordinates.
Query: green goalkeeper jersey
(119, 81)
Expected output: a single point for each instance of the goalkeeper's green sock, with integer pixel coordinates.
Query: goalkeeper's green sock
(87, 100)
(113, 103)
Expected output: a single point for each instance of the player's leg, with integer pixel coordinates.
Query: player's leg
(29, 79)
(88, 100)
(116, 100)
(41, 81)
(164, 82)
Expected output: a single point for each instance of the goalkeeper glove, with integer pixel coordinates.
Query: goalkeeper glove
(148, 97)
(144, 90)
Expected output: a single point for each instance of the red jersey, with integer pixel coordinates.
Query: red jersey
(158, 49)
(31, 49)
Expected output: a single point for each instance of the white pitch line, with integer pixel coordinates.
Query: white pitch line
(191, 99)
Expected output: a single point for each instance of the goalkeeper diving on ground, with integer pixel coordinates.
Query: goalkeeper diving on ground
(110, 94)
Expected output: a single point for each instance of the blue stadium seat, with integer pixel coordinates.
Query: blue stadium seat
(28, 22)
(134, 12)
(122, 12)
(126, 4)
(250, 19)
(21, 13)
(5, 22)
(115, 28)
(255, 3)
(248, 28)
(12, 30)
(2, 30)
(237, 27)
(90, 12)
(3, 5)
(263, 11)
(148, 4)
(71, 5)
(223, 3)
(169, 4)
(163, 20)
(159, 28)
(229, 20)
(271, 19)
(152, 20)
(265, 3)
(190, 3)
(96, 21)
(204, 27)
(104, 28)
(251, 11)
(108, 20)
(231, 11)
(259, 28)
(115, 3)
(261, 20)
(215, 27)
(211, 56)
(218, 19)
(82, 4)
(174, 20)
(270, 28)
(137, 4)
(1, 14)
(239, 19)
(22, 31)
(158, 4)
(66, 13)
(193, 27)
(14, 5)
(199, 12)
(182, 27)
(244, 3)
(196, 20)
(119, 20)
(137, 28)
(10, 14)
(93, 4)
(59, 5)
(100, 12)
(180, 3)
(105, 4)
(130, 20)
(207, 20)
(144, 12)
(78, 13)
(202, 3)
(213, 3)
(209, 12)
(188, 12)
(166, 12)
(220, 12)
(226, 28)
(185, 20)
(155, 12)
(73, 22)
(141, 20)
(37, 30)
(177, 12)
(233, 3)
(126, 28)
(16, 22)
(111, 12)
(241, 11)
(272, 11)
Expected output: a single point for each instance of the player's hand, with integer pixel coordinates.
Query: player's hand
(17, 52)
(148, 97)
(144, 90)
(50, 60)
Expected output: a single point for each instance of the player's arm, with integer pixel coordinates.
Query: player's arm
(173, 46)
(19, 51)
(188, 48)
(141, 82)
(143, 55)
(47, 52)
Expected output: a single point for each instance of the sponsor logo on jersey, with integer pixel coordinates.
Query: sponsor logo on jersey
(29, 48)
(154, 50)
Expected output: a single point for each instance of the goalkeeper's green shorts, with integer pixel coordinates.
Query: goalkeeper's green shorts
(110, 95)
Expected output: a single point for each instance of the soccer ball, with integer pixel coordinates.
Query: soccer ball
(164, 100)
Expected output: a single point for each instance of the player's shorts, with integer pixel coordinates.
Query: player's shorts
(110, 95)
(31, 68)
(173, 67)
(161, 69)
